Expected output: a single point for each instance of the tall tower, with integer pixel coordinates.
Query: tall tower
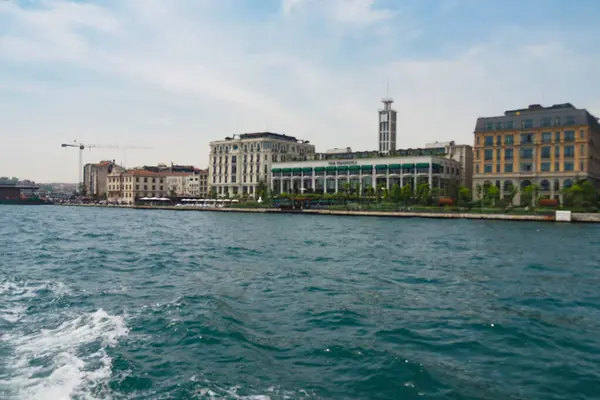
(387, 126)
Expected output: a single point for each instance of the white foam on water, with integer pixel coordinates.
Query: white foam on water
(63, 368)
(15, 295)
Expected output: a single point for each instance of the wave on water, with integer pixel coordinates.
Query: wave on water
(54, 357)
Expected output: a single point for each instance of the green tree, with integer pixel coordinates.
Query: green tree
(423, 194)
(213, 193)
(261, 190)
(493, 194)
(464, 195)
(406, 193)
(529, 196)
(396, 194)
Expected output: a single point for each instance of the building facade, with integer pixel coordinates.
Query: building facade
(176, 183)
(95, 177)
(360, 173)
(461, 153)
(128, 186)
(550, 147)
(239, 164)
(196, 184)
(387, 127)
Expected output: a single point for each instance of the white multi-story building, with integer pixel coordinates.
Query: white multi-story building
(239, 164)
(176, 183)
(387, 127)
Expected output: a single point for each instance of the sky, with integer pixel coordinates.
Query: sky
(169, 76)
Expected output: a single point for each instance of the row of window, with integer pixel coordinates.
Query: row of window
(531, 123)
(529, 167)
(529, 138)
(283, 147)
(528, 152)
(245, 179)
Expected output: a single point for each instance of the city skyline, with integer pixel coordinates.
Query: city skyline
(174, 78)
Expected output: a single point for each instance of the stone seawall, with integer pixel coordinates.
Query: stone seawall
(394, 214)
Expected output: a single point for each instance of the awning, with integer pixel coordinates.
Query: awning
(286, 170)
(354, 167)
(307, 169)
(296, 169)
(330, 169)
(408, 166)
(381, 166)
(395, 166)
(422, 165)
(366, 167)
(343, 168)
(319, 169)
(435, 165)
(276, 170)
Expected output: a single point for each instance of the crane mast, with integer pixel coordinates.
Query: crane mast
(82, 147)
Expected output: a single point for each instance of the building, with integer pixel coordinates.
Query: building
(176, 183)
(95, 177)
(387, 127)
(461, 153)
(128, 186)
(551, 147)
(238, 164)
(330, 173)
(196, 184)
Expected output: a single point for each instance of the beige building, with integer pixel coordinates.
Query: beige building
(196, 184)
(461, 153)
(95, 177)
(549, 147)
(130, 185)
(238, 164)
(176, 183)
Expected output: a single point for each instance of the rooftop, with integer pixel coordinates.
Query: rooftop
(271, 135)
(538, 116)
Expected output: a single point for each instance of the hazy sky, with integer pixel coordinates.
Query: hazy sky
(176, 74)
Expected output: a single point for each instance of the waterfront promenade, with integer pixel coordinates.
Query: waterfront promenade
(575, 217)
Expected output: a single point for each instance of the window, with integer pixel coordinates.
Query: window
(527, 124)
(489, 140)
(569, 151)
(508, 139)
(508, 168)
(557, 151)
(547, 121)
(477, 139)
(509, 125)
(526, 167)
(487, 168)
(498, 125)
(556, 167)
(582, 150)
(499, 140)
(569, 136)
(545, 167)
(557, 121)
(546, 137)
(582, 134)
(508, 154)
(526, 138)
(557, 137)
(233, 159)
(581, 166)
(570, 120)
(546, 151)
(488, 154)
(489, 126)
(498, 155)
(526, 153)
(498, 168)
(476, 168)
(568, 166)
(477, 154)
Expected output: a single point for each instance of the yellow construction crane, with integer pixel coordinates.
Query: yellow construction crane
(82, 147)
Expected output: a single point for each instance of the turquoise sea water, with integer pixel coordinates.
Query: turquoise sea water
(126, 304)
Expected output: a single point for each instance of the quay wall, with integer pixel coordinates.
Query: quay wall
(396, 214)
